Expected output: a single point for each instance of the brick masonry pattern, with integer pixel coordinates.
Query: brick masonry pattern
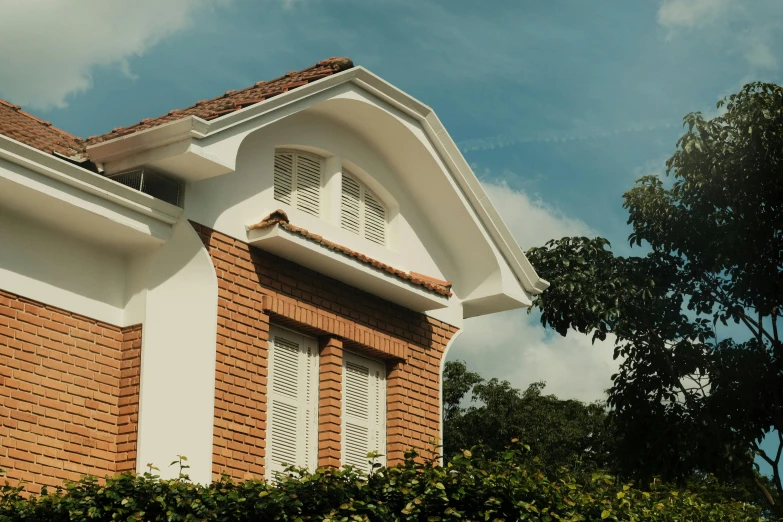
(330, 389)
(256, 287)
(69, 394)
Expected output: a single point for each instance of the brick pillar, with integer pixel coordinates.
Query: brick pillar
(396, 413)
(128, 400)
(330, 401)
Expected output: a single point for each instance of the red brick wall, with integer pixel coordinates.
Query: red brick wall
(330, 389)
(256, 287)
(68, 394)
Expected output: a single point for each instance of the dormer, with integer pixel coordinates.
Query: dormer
(374, 193)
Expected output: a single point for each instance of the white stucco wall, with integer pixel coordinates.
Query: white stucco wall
(176, 402)
(230, 202)
(50, 266)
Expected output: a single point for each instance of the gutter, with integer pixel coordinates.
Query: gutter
(86, 181)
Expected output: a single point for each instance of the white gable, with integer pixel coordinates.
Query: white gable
(436, 220)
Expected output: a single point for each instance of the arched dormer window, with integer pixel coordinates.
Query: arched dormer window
(361, 212)
(298, 180)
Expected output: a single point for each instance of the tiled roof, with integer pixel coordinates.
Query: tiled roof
(26, 128)
(234, 100)
(279, 217)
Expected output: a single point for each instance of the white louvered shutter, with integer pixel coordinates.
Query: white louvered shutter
(364, 410)
(298, 181)
(308, 184)
(374, 219)
(350, 217)
(284, 177)
(360, 212)
(292, 400)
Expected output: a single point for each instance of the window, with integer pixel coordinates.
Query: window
(292, 401)
(364, 410)
(361, 212)
(298, 181)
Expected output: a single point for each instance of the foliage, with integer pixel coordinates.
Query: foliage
(685, 399)
(470, 487)
(562, 433)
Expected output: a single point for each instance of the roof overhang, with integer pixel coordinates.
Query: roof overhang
(279, 241)
(48, 189)
(193, 149)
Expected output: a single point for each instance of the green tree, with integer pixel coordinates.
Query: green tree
(687, 400)
(561, 433)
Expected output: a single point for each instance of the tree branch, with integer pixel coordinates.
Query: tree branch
(776, 468)
(723, 299)
(765, 491)
(773, 464)
(761, 331)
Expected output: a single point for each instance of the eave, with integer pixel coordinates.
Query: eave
(294, 247)
(78, 201)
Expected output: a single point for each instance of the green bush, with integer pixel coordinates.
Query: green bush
(470, 487)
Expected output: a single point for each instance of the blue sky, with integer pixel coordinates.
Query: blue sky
(558, 106)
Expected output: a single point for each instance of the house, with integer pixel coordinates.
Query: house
(271, 276)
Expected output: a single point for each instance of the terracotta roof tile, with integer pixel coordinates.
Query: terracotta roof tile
(279, 217)
(233, 100)
(35, 132)
(26, 128)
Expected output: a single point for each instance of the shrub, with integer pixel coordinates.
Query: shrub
(470, 487)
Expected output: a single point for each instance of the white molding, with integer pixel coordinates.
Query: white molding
(440, 386)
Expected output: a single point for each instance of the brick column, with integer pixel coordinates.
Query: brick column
(330, 401)
(396, 413)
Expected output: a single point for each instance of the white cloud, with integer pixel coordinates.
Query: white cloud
(656, 167)
(532, 221)
(750, 30)
(692, 13)
(50, 47)
(513, 345)
(759, 55)
(560, 136)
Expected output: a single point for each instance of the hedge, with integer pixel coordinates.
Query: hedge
(469, 487)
